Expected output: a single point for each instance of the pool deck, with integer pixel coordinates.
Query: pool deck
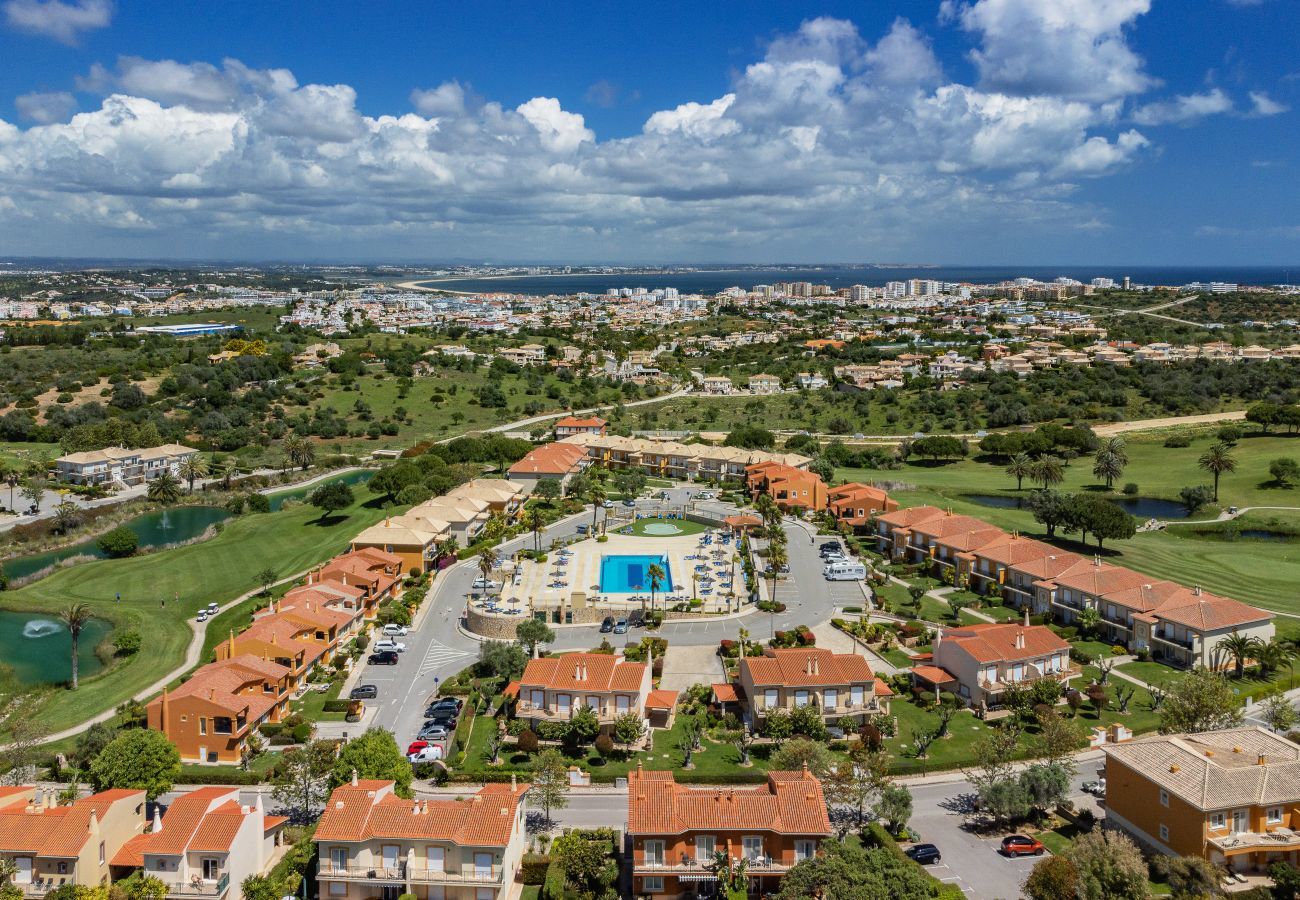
(582, 573)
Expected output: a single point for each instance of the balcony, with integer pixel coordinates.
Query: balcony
(1168, 638)
(416, 875)
(197, 887)
(1279, 839)
(762, 865)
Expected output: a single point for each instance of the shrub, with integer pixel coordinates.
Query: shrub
(126, 643)
(604, 745)
(258, 503)
(1178, 440)
(1131, 489)
(532, 870)
(119, 542)
(302, 733)
(527, 741)
(336, 706)
(270, 729)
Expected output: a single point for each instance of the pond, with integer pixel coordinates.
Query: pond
(155, 529)
(39, 647)
(1142, 507)
(354, 478)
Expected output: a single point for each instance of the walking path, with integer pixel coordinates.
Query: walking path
(1109, 428)
(1226, 515)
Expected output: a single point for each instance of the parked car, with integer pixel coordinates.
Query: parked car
(925, 854)
(364, 692)
(629, 502)
(1021, 845)
(607, 625)
(390, 644)
(452, 703)
(416, 747)
(430, 753)
(383, 658)
(443, 718)
(482, 584)
(607, 504)
(582, 529)
(635, 619)
(620, 627)
(1096, 788)
(704, 495)
(433, 733)
(392, 629)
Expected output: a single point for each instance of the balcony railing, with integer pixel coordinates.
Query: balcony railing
(756, 866)
(197, 887)
(404, 873)
(1165, 638)
(1280, 839)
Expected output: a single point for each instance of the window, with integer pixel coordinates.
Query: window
(537, 698)
(830, 698)
(1273, 816)
(436, 859)
(753, 845)
(203, 725)
(1164, 832)
(652, 884)
(804, 850)
(338, 889)
(1164, 797)
(339, 857)
(800, 698)
(101, 850)
(703, 847)
(654, 853)
(769, 698)
(211, 868)
(1218, 820)
(855, 695)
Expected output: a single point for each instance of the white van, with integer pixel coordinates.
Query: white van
(845, 571)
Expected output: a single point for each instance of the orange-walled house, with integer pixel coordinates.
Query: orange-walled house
(855, 504)
(675, 830)
(789, 487)
(280, 641)
(210, 716)
(375, 571)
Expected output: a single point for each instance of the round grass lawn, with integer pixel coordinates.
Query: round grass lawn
(651, 527)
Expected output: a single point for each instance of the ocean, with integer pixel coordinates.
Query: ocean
(713, 281)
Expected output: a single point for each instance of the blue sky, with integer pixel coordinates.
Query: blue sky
(961, 131)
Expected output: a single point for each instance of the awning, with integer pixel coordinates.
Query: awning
(725, 693)
(661, 700)
(934, 675)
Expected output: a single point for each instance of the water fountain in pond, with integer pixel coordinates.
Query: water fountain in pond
(164, 524)
(40, 628)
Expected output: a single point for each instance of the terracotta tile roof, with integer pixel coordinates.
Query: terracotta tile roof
(1101, 578)
(997, 642)
(933, 674)
(948, 525)
(742, 521)
(790, 803)
(184, 818)
(910, 517)
(233, 684)
(1217, 769)
(269, 823)
(972, 541)
(725, 693)
(512, 690)
(131, 854)
(583, 672)
(575, 422)
(218, 829)
(1208, 612)
(60, 831)
(1012, 550)
(806, 666)
(882, 689)
(371, 810)
(661, 700)
(558, 458)
(1048, 567)
(376, 555)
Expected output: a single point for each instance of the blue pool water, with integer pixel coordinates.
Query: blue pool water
(628, 574)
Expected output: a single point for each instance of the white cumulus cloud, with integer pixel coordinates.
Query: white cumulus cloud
(1184, 109)
(56, 19)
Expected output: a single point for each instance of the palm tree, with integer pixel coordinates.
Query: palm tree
(1241, 648)
(534, 522)
(193, 468)
(227, 469)
(777, 557)
(1049, 471)
(596, 494)
(1272, 655)
(1020, 468)
(487, 561)
(300, 451)
(1110, 460)
(165, 489)
(656, 574)
(65, 517)
(1217, 460)
(75, 617)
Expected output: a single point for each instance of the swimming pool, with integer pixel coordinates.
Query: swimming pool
(630, 574)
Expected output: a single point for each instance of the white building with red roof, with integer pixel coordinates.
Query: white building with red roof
(553, 688)
(205, 845)
(978, 662)
(571, 425)
(838, 685)
(373, 843)
(675, 831)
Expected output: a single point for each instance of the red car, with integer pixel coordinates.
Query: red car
(416, 747)
(1021, 845)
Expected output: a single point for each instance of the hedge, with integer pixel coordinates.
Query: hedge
(336, 706)
(553, 884)
(212, 775)
(532, 870)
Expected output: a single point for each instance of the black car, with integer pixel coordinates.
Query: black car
(383, 658)
(443, 719)
(636, 619)
(607, 625)
(925, 854)
(364, 692)
(443, 705)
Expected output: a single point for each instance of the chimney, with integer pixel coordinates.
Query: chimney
(1096, 561)
(354, 777)
(94, 822)
(157, 819)
(415, 810)
(1026, 622)
(1261, 760)
(817, 667)
(577, 671)
(257, 805)
(514, 785)
(1197, 590)
(1020, 640)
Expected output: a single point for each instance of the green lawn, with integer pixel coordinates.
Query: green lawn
(1255, 571)
(312, 704)
(684, 526)
(950, 752)
(261, 764)
(217, 570)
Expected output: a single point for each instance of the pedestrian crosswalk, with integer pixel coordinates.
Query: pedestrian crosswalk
(439, 655)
